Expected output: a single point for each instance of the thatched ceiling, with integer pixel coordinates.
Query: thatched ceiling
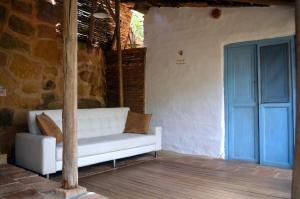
(103, 30)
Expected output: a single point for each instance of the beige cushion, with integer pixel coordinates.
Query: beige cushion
(48, 127)
(137, 123)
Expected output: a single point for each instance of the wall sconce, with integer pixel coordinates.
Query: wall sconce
(216, 13)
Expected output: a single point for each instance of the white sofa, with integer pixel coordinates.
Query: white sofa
(100, 139)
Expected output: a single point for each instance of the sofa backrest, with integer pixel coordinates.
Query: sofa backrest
(91, 122)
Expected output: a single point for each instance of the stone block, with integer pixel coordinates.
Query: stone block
(55, 105)
(7, 81)
(21, 102)
(89, 103)
(49, 85)
(20, 25)
(22, 6)
(6, 117)
(48, 50)
(48, 98)
(30, 88)
(48, 12)
(95, 90)
(86, 76)
(83, 89)
(2, 14)
(5, 1)
(10, 42)
(24, 68)
(51, 71)
(3, 59)
(29, 102)
(47, 32)
(20, 118)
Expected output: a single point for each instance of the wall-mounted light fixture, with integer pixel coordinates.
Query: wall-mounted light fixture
(216, 13)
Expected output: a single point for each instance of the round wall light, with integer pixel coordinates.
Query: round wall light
(216, 13)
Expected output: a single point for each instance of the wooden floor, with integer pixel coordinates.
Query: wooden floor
(191, 178)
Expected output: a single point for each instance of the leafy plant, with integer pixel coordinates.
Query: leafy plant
(137, 25)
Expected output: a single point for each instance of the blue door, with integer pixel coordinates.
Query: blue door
(243, 104)
(259, 102)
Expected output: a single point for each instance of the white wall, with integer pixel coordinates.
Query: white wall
(188, 100)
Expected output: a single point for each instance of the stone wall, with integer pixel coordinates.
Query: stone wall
(31, 66)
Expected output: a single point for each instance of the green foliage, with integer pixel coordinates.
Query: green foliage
(137, 25)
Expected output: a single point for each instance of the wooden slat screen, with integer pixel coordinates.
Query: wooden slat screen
(134, 79)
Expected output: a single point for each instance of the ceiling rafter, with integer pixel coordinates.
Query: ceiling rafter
(265, 2)
(205, 3)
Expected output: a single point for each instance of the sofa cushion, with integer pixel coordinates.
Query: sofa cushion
(110, 143)
(137, 123)
(48, 127)
(91, 122)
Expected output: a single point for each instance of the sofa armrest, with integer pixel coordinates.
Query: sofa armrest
(36, 153)
(157, 131)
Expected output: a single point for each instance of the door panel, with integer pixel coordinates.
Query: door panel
(243, 126)
(259, 94)
(243, 136)
(276, 116)
(274, 69)
(275, 136)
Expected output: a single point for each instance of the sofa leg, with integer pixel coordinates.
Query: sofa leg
(47, 176)
(155, 154)
(114, 163)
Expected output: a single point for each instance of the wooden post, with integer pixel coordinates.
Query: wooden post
(296, 170)
(119, 52)
(92, 26)
(70, 171)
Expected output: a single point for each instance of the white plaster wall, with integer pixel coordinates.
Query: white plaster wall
(188, 100)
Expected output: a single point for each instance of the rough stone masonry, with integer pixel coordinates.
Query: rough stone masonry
(31, 66)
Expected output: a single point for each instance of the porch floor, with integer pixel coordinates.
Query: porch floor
(178, 176)
(169, 176)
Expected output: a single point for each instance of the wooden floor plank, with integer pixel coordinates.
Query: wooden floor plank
(191, 178)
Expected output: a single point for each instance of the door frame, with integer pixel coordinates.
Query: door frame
(291, 41)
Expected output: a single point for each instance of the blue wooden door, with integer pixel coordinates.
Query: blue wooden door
(259, 102)
(276, 104)
(242, 103)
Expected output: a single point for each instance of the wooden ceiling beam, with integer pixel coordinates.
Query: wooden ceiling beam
(203, 3)
(264, 2)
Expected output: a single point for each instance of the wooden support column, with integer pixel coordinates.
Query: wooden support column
(119, 52)
(296, 170)
(70, 171)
